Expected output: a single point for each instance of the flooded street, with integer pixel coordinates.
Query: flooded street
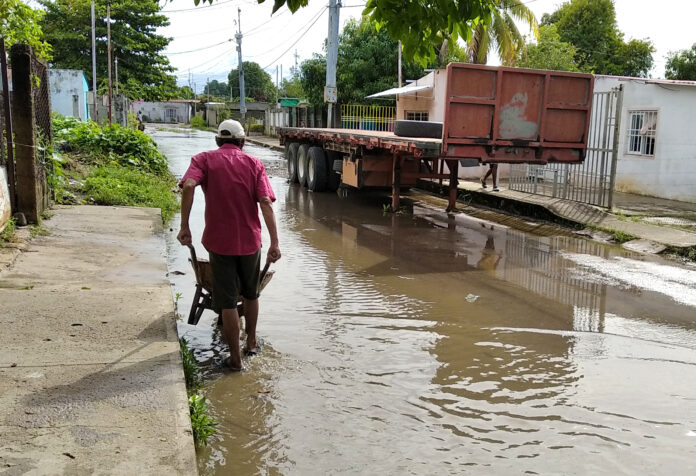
(427, 344)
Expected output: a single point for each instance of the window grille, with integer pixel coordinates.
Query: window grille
(642, 129)
(416, 115)
(170, 113)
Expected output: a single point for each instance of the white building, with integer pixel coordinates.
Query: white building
(69, 92)
(172, 111)
(657, 144)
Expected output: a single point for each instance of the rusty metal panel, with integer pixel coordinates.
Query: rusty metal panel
(500, 114)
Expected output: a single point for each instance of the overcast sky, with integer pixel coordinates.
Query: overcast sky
(203, 36)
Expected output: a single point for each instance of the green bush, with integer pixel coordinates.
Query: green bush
(114, 184)
(197, 122)
(128, 147)
(256, 128)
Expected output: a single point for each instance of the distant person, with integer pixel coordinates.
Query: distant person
(492, 170)
(233, 183)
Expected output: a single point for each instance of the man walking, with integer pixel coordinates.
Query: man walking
(233, 182)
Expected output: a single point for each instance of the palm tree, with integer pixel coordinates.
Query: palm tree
(502, 32)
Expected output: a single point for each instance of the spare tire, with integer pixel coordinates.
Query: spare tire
(428, 129)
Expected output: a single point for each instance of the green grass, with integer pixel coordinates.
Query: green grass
(618, 235)
(8, 233)
(117, 185)
(197, 122)
(202, 425)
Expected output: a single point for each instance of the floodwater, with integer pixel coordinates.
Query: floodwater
(428, 344)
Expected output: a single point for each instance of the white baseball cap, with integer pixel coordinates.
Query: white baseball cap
(230, 129)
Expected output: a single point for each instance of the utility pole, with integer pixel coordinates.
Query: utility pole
(108, 53)
(399, 62)
(94, 68)
(242, 91)
(296, 57)
(331, 59)
(116, 72)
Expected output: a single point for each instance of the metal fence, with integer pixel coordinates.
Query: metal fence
(369, 118)
(592, 181)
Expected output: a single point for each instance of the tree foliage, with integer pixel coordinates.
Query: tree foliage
(421, 25)
(681, 64)
(218, 89)
(368, 62)
(143, 71)
(20, 23)
(590, 26)
(257, 82)
(313, 78)
(549, 52)
(500, 32)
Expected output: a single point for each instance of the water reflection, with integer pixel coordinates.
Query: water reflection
(425, 343)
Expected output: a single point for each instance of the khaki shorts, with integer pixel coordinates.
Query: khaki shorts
(234, 276)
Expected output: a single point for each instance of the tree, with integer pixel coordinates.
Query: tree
(313, 78)
(257, 83)
(549, 52)
(20, 23)
(590, 26)
(186, 92)
(367, 62)
(143, 71)
(292, 88)
(421, 25)
(681, 64)
(501, 32)
(218, 89)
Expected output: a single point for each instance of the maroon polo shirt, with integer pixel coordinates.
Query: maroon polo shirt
(233, 183)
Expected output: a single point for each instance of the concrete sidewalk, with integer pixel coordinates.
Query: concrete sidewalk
(91, 379)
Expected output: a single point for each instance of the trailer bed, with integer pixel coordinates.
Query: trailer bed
(342, 139)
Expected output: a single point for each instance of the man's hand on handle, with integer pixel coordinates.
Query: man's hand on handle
(184, 236)
(273, 254)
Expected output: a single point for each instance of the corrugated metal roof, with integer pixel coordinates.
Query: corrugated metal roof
(411, 88)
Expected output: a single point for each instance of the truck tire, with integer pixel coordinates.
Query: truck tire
(418, 129)
(334, 178)
(316, 170)
(302, 159)
(291, 156)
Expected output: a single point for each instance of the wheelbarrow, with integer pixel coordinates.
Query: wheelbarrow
(203, 298)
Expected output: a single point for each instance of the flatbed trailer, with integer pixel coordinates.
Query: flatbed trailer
(491, 115)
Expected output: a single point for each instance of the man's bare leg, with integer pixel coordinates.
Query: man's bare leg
(230, 326)
(251, 315)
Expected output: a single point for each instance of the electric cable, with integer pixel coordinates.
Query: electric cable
(298, 39)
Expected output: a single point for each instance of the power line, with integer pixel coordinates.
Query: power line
(196, 8)
(199, 49)
(298, 39)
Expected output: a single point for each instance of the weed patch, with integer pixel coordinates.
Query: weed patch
(197, 122)
(117, 185)
(202, 424)
(8, 233)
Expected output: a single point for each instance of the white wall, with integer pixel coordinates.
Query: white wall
(671, 172)
(155, 111)
(4, 198)
(68, 94)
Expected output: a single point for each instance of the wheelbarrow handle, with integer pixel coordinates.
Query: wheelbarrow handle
(264, 271)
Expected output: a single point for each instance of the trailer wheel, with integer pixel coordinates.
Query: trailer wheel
(291, 156)
(418, 129)
(334, 178)
(316, 170)
(302, 160)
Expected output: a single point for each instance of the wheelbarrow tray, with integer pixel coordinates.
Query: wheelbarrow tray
(203, 298)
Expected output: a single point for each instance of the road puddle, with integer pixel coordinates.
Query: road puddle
(424, 343)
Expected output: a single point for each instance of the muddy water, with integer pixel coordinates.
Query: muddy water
(428, 344)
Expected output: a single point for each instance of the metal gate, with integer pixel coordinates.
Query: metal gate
(592, 181)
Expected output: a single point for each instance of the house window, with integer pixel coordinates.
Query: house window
(642, 128)
(170, 114)
(416, 115)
